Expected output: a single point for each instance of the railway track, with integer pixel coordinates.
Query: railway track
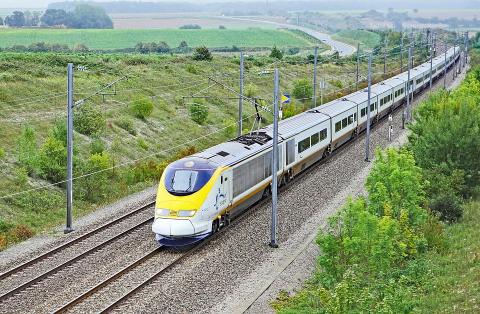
(16, 271)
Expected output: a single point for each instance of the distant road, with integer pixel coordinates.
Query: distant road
(342, 48)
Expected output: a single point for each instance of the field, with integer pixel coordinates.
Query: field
(119, 38)
(367, 39)
(175, 20)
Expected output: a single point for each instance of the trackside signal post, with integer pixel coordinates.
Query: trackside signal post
(315, 61)
(273, 237)
(69, 227)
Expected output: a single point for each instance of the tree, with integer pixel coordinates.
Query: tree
(1, 21)
(202, 54)
(276, 53)
(17, 19)
(87, 16)
(302, 89)
(54, 17)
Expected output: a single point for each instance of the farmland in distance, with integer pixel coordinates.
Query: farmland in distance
(123, 38)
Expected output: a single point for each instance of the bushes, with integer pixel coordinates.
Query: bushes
(369, 249)
(276, 53)
(198, 112)
(88, 119)
(142, 108)
(94, 187)
(127, 125)
(202, 54)
(302, 89)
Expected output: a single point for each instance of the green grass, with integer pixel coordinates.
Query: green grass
(454, 283)
(121, 38)
(366, 39)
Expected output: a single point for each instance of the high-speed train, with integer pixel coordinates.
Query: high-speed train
(200, 194)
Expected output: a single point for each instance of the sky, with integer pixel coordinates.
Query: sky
(44, 3)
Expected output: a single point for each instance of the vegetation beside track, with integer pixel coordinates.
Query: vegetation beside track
(141, 125)
(413, 245)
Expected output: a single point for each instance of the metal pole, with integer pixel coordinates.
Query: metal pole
(385, 56)
(315, 60)
(435, 43)
(445, 67)
(69, 227)
(358, 66)
(453, 60)
(466, 49)
(401, 53)
(322, 86)
(431, 65)
(240, 100)
(408, 83)
(273, 239)
(367, 141)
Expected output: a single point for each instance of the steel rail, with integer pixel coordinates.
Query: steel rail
(72, 242)
(71, 261)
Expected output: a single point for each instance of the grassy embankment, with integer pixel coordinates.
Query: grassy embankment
(391, 252)
(367, 39)
(32, 94)
(121, 38)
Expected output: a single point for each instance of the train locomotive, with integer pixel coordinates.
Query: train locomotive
(200, 194)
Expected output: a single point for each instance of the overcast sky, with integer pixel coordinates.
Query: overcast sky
(44, 3)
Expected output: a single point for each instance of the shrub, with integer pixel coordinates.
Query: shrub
(21, 232)
(396, 184)
(222, 27)
(97, 146)
(293, 51)
(3, 242)
(302, 89)
(276, 53)
(229, 128)
(198, 113)
(250, 90)
(190, 26)
(202, 54)
(27, 150)
(2, 153)
(94, 187)
(142, 144)
(88, 120)
(447, 206)
(53, 160)
(142, 108)
(289, 110)
(127, 125)
(191, 69)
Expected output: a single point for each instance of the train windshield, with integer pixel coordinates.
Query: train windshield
(187, 176)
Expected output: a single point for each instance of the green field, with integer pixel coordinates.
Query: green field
(122, 38)
(365, 38)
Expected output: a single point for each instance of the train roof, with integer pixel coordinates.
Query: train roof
(336, 107)
(395, 81)
(231, 152)
(381, 88)
(297, 124)
(360, 96)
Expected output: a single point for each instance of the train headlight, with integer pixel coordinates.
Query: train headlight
(162, 212)
(186, 213)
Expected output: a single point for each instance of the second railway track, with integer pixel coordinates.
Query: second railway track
(40, 267)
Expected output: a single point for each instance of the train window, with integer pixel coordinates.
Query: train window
(344, 123)
(350, 119)
(363, 112)
(338, 126)
(323, 134)
(303, 145)
(187, 177)
(372, 107)
(355, 116)
(381, 102)
(315, 138)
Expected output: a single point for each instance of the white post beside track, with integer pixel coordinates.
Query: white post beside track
(240, 99)
(69, 227)
(367, 140)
